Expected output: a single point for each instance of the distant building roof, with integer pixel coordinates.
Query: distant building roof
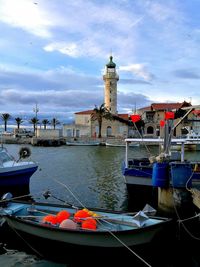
(88, 112)
(165, 106)
(123, 116)
(85, 112)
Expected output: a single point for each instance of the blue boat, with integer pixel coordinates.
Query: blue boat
(140, 171)
(15, 173)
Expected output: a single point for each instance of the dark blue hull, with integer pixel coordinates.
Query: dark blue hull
(17, 177)
(139, 172)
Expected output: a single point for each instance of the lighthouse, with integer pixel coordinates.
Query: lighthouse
(110, 78)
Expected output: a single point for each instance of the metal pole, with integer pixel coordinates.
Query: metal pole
(36, 110)
(126, 155)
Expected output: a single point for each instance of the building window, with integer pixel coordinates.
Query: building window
(69, 133)
(109, 131)
(150, 130)
(97, 130)
(77, 133)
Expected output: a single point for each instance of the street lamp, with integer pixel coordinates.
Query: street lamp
(36, 110)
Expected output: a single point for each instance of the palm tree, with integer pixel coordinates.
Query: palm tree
(45, 122)
(34, 121)
(54, 122)
(98, 114)
(5, 117)
(18, 121)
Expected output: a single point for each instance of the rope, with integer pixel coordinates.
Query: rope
(134, 253)
(148, 150)
(26, 242)
(67, 187)
(180, 221)
(127, 247)
(13, 198)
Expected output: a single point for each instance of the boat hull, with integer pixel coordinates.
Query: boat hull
(142, 175)
(17, 176)
(82, 143)
(115, 230)
(88, 238)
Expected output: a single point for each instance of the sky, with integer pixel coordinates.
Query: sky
(53, 54)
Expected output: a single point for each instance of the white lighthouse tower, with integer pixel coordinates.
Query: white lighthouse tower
(110, 78)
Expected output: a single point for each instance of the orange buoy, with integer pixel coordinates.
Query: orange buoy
(50, 219)
(62, 215)
(81, 214)
(90, 224)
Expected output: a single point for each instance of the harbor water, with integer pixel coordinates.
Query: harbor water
(93, 176)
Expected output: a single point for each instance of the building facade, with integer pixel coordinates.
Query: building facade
(155, 113)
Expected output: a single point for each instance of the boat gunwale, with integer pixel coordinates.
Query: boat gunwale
(85, 231)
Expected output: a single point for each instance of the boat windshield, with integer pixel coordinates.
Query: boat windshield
(5, 157)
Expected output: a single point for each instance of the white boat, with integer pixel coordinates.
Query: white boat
(82, 143)
(122, 144)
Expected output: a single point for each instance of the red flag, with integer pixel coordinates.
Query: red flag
(135, 118)
(169, 115)
(162, 123)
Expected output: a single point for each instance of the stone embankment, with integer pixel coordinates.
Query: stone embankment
(33, 141)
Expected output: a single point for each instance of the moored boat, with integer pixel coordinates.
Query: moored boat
(15, 173)
(121, 144)
(138, 171)
(82, 143)
(63, 225)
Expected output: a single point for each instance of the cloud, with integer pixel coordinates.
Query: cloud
(139, 70)
(58, 90)
(25, 15)
(133, 81)
(163, 12)
(58, 79)
(57, 98)
(128, 101)
(69, 49)
(187, 74)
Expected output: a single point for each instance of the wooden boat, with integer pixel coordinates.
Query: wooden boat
(95, 228)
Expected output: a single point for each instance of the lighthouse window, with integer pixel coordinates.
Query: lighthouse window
(110, 83)
(110, 100)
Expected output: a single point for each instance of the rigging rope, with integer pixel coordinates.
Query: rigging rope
(148, 150)
(181, 221)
